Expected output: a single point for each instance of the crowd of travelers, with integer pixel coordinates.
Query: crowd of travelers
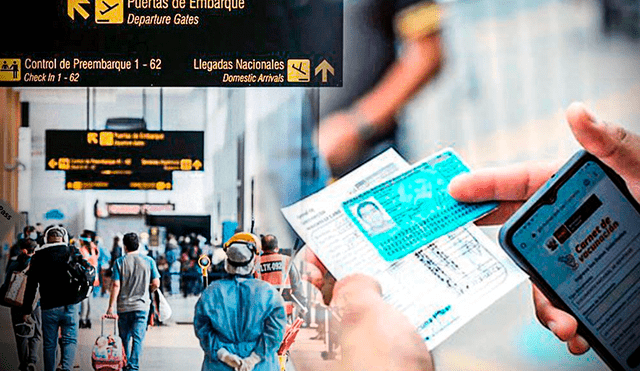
(130, 274)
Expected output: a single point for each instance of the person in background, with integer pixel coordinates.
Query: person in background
(40, 234)
(104, 257)
(135, 276)
(277, 269)
(190, 274)
(116, 250)
(15, 250)
(26, 328)
(163, 269)
(48, 275)
(245, 333)
(90, 253)
(359, 119)
(172, 253)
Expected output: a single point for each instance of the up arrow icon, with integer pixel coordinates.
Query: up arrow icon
(74, 6)
(324, 67)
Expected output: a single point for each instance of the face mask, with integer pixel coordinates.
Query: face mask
(33, 236)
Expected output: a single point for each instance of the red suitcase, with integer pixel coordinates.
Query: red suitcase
(108, 354)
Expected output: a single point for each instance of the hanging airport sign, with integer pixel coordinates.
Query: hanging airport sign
(121, 208)
(124, 153)
(79, 180)
(233, 43)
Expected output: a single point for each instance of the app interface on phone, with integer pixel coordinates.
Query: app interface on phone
(586, 245)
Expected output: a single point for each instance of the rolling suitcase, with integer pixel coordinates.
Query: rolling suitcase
(108, 352)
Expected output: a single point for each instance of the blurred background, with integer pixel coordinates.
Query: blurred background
(510, 70)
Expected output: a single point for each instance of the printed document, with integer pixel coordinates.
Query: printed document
(439, 285)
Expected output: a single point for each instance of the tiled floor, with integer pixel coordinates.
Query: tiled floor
(170, 347)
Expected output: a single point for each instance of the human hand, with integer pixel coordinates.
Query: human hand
(229, 358)
(513, 185)
(374, 335)
(110, 313)
(339, 141)
(249, 363)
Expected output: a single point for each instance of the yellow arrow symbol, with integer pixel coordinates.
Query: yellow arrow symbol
(324, 67)
(197, 164)
(74, 6)
(52, 163)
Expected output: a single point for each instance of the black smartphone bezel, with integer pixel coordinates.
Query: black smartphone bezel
(545, 195)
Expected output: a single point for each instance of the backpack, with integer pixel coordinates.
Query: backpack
(81, 276)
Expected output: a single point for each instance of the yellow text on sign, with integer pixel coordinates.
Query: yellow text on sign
(298, 70)
(109, 11)
(10, 69)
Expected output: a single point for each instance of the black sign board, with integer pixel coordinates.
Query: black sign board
(124, 153)
(81, 180)
(171, 43)
(181, 225)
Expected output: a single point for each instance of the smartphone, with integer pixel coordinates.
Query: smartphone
(578, 238)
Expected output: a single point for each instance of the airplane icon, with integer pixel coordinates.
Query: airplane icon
(109, 11)
(298, 70)
(109, 7)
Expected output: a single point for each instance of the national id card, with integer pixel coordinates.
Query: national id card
(409, 211)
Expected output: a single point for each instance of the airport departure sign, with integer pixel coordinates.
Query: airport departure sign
(233, 43)
(123, 159)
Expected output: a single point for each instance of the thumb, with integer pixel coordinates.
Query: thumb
(612, 144)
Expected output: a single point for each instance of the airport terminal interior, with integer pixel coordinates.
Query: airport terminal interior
(510, 70)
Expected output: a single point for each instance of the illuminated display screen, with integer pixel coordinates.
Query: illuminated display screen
(124, 153)
(135, 160)
(172, 43)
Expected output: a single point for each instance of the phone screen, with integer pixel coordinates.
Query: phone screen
(585, 243)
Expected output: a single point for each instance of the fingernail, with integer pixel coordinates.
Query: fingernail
(579, 106)
(454, 181)
(592, 116)
(582, 341)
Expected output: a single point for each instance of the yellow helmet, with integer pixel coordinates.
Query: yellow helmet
(248, 239)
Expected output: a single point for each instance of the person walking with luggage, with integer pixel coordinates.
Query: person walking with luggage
(48, 273)
(28, 333)
(240, 320)
(134, 277)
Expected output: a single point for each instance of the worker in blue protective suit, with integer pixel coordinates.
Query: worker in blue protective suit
(240, 320)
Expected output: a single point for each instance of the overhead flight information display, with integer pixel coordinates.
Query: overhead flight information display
(232, 43)
(122, 159)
